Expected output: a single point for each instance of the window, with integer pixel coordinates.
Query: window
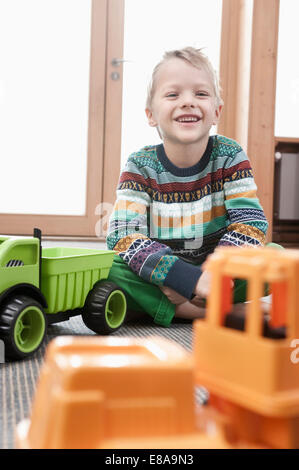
(52, 57)
(287, 86)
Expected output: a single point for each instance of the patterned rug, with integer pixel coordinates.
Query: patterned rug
(18, 379)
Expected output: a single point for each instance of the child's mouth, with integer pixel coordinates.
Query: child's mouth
(187, 120)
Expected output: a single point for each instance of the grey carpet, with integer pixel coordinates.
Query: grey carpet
(18, 379)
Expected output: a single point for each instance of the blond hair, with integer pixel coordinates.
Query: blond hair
(194, 57)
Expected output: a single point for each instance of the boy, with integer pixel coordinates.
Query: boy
(178, 200)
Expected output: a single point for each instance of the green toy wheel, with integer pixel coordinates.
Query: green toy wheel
(105, 308)
(22, 327)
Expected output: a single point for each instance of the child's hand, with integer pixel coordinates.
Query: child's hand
(203, 286)
(173, 296)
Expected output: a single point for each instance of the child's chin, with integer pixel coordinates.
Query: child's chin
(190, 139)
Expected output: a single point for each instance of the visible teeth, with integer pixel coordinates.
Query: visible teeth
(188, 119)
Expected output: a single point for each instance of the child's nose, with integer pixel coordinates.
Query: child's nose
(188, 101)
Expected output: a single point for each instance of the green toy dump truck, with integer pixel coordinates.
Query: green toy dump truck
(43, 286)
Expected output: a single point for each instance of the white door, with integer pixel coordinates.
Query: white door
(151, 28)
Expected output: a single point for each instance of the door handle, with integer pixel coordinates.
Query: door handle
(116, 62)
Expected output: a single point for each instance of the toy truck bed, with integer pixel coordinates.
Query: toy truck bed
(68, 274)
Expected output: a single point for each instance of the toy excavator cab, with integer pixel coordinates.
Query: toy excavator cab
(258, 267)
(234, 358)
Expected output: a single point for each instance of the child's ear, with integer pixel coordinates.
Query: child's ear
(149, 114)
(217, 114)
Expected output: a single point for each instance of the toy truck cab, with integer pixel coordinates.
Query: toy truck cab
(115, 393)
(16, 253)
(41, 286)
(22, 319)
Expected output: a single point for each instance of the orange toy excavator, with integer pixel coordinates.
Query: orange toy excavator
(245, 359)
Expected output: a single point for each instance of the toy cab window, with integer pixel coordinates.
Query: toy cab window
(272, 312)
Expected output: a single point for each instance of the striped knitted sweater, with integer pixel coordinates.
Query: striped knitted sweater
(167, 220)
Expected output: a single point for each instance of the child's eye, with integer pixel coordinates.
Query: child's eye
(171, 95)
(202, 93)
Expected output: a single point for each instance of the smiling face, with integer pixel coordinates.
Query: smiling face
(184, 105)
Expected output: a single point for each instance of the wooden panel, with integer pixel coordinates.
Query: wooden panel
(96, 136)
(235, 69)
(229, 54)
(21, 224)
(261, 141)
(113, 121)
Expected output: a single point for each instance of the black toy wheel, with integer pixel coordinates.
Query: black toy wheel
(105, 308)
(23, 327)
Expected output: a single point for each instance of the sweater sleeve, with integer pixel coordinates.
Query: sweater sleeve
(247, 224)
(130, 236)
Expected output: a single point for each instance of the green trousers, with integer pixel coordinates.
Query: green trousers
(143, 296)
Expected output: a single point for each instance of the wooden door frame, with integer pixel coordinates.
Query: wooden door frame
(231, 32)
(65, 225)
(229, 66)
(104, 135)
(245, 117)
(113, 114)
